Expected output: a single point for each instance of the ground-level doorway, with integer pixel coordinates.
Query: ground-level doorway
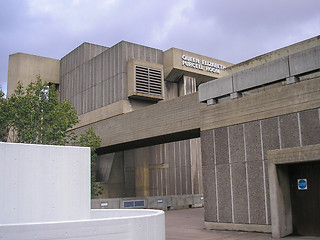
(304, 181)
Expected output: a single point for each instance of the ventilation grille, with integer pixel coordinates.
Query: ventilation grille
(148, 81)
(133, 203)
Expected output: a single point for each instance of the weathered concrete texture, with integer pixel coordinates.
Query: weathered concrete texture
(289, 130)
(240, 196)
(253, 141)
(274, 55)
(286, 65)
(94, 76)
(168, 117)
(310, 127)
(256, 193)
(247, 140)
(159, 170)
(263, 74)
(209, 192)
(224, 193)
(267, 104)
(207, 149)
(217, 88)
(80, 55)
(305, 61)
(270, 135)
(237, 152)
(280, 203)
(25, 68)
(221, 145)
(173, 67)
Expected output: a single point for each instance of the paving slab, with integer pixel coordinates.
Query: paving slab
(187, 224)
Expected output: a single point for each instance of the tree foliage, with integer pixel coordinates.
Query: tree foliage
(35, 115)
(90, 139)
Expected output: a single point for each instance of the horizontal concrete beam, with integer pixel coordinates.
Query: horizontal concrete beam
(295, 154)
(165, 121)
(287, 68)
(270, 103)
(215, 88)
(305, 61)
(260, 75)
(153, 202)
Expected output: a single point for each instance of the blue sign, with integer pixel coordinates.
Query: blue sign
(302, 184)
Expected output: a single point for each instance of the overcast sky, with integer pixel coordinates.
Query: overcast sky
(229, 30)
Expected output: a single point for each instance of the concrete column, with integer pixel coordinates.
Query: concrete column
(142, 156)
(292, 79)
(187, 85)
(280, 203)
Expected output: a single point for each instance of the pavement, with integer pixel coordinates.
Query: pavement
(188, 224)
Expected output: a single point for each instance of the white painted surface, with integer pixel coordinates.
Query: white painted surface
(45, 194)
(105, 224)
(41, 183)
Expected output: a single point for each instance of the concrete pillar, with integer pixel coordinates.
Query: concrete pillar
(292, 79)
(142, 156)
(187, 85)
(280, 203)
(110, 172)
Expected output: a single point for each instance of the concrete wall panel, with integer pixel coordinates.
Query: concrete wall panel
(270, 135)
(221, 145)
(207, 149)
(240, 196)
(263, 74)
(253, 141)
(34, 194)
(256, 193)
(289, 130)
(305, 61)
(209, 191)
(236, 141)
(224, 193)
(310, 127)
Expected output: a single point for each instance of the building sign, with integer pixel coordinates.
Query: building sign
(302, 184)
(202, 65)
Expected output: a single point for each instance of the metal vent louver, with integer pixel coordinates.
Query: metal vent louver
(148, 81)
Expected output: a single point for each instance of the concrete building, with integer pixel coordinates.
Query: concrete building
(176, 125)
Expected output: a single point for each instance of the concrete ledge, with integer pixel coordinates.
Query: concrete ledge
(260, 75)
(270, 103)
(215, 88)
(153, 202)
(287, 67)
(305, 61)
(237, 227)
(111, 110)
(295, 154)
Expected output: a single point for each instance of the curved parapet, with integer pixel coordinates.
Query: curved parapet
(46, 195)
(104, 224)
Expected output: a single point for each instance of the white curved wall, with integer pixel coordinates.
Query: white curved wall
(119, 224)
(45, 194)
(40, 183)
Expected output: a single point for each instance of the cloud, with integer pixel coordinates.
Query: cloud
(228, 30)
(176, 17)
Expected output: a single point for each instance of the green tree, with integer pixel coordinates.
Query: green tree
(35, 115)
(90, 139)
(4, 117)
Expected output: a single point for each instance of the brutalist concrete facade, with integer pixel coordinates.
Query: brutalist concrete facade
(273, 108)
(227, 131)
(97, 79)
